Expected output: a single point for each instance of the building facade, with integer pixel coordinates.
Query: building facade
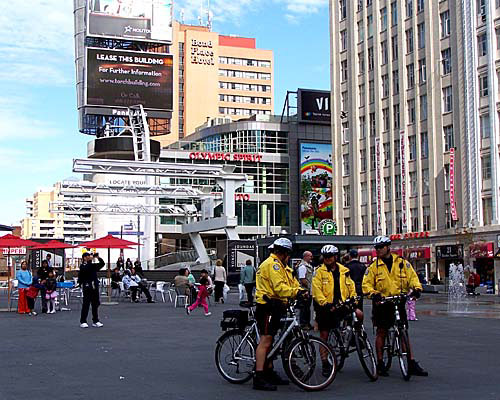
(417, 81)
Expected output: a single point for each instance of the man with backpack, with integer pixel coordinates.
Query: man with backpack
(247, 279)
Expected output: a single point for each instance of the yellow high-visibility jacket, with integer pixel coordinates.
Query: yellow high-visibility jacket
(323, 285)
(275, 281)
(401, 279)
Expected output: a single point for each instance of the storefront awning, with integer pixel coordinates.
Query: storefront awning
(481, 250)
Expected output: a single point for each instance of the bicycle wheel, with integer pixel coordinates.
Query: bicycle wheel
(337, 344)
(387, 351)
(311, 363)
(403, 352)
(235, 359)
(365, 354)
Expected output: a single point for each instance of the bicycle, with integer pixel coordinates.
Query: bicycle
(396, 341)
(300, 352)
(351, 337)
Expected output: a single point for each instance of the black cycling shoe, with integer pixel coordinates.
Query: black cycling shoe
(259, 383)
(381, 369)
(273, 378)
(415, 369)
(326, 369)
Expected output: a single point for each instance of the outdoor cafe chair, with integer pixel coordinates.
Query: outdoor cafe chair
(181, 299)
(14, 292)
(159, 289)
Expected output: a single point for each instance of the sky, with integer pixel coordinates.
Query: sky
(39, 135)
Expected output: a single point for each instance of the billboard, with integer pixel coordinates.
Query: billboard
(147, 20)
(314, 106)
(119, 78)
(239, 252)
(316, 200)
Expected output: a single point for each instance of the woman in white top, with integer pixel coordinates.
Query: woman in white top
(220, 278)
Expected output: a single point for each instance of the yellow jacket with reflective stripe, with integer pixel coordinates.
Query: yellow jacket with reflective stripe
(401, 279)
(322, 285)
(275, 281)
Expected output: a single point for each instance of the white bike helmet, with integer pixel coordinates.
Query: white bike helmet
(283, 243)
(329, 250)
(381, 241)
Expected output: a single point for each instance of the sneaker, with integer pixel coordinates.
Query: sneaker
(84, 325)
(326, 369)
(33, 313)
(52, 312)
(151, 301)
(274, 379)
(208, 314)
(415, 369)
(381, 369)
(259, 383)
(97, 324)
(188, 311)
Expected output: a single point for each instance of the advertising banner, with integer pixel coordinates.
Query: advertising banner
(379, 185)
(314, 106)
(147, 20)
(453, 207)
(316, 200)
(404, 208)
(117, 78)
(239, 251)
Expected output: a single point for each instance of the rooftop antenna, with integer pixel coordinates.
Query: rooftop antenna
(209, 16)
(200, 19)
(182, 16)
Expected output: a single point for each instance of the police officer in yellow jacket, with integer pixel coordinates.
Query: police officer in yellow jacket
(331, 285)
(389, 275)
(275, 285)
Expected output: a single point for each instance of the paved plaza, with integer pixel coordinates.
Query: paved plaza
(153, 351)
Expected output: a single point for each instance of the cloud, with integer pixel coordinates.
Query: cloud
(300, 7)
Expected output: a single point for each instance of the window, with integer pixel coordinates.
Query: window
(343, 9)
(343, 70)
(369, 22)
(361, 62)
(497, 33)
(414, 219)
(368, 3)
(410, 73)
(412, 147)
(362, 127)
(484, 126)
(372, 125)
(385, 86)
(388, 188)
(383, 19)
(364, 224)
(446, 61)
(387, 154)
(397, 187)
(343, 101)
(422, 71)
(361, 95)
(395, 112)
(427, 219)
(409, 41)
(370, 59)
(373, 158)
(445, 23)
(361, 32)
(413, 183)
(388, 223)
(364, 193)
(362, 159)
(360, 5)
(486, 167)
(371, 92)
(395, 82)
(384, 53)
(397, 152)
(399, 222)
(449, 140)
(394, 44)
(386, 119)
(446, 173)
(420, 5)
(345, 132)
(447, 99)
(409, 8)
(345, 164)
(423, 107)
(411, 111)
(373, 191)
(374, 224)
(394, 14)
(424, 145)
(425, 181)
(482, 45)
(347, 196)
(487, 211)
(347, 226)
(421, 35)
(483, 85)
(343, 40)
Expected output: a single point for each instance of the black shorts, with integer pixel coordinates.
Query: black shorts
(268, 318)
(384, 317)
(327, 319)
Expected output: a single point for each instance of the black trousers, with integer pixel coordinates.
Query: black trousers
(141, 288)
(90, 297)
(249, 289)
(219, 290)
(43, 292)
(31, 302)
(305, 312)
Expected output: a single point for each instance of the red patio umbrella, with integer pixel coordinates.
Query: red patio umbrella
(109, 242)
(8, 241)
(53, 245)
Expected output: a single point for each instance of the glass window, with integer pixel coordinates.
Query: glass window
(343, 70)
(486, 166)
(484, 124)
(383, 19)
(414, 219)
(446, 61)
(386, 119)
(371, 63)
(347, 196)
(385, 86)
(345, 164)
(364, 193)
(482, 45)
(409, 8)
(369, 21)
(421, 35)
(373, 158)
(388, 188)
(427, 219)
(445, 23)
(395, 82)
(410, 73)
(384, 53)
(411, 111)
(362, 159)
(361, 62)
(397, 152)
(343, 9)
(343, 40)
(422, 71)
(371, 92)
(483, 85)
(449, 140)
(447, 99)
(487, 211)
(361, 91)
(388, 223)
(394, 13)
(425, 181)
(387, 154)
(412, 146)
(373, 191)
(361, 32)
(362, 127)
(409, 41)
(397, 186)
(413, 183)
(373, 131)
(347, 226)
(424, 145)
(420, 5)
(395, 112)
(394, 44)
(423, 107)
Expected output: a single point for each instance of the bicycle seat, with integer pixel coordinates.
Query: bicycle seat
(246, 304)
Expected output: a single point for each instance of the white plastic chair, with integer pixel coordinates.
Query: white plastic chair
(159, 289)
(169, 290)
(181, 298)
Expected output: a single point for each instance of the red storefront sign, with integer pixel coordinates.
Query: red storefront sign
(379, 184)
(402, 143)
(242, 197)
(14, 251)
(225, 156)
(481, 250)
(419, 253)
(410, 235)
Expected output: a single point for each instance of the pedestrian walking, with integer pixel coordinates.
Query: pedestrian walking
(201, 299)
(220, 278)
(87, 279)
(247, 279)
(24, 280)
(357, 272)
(304, 275)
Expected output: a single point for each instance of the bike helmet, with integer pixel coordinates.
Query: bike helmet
(329, 250)
(284, 243)
(381, 241)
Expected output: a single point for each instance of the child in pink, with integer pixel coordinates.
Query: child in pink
(201, 299)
